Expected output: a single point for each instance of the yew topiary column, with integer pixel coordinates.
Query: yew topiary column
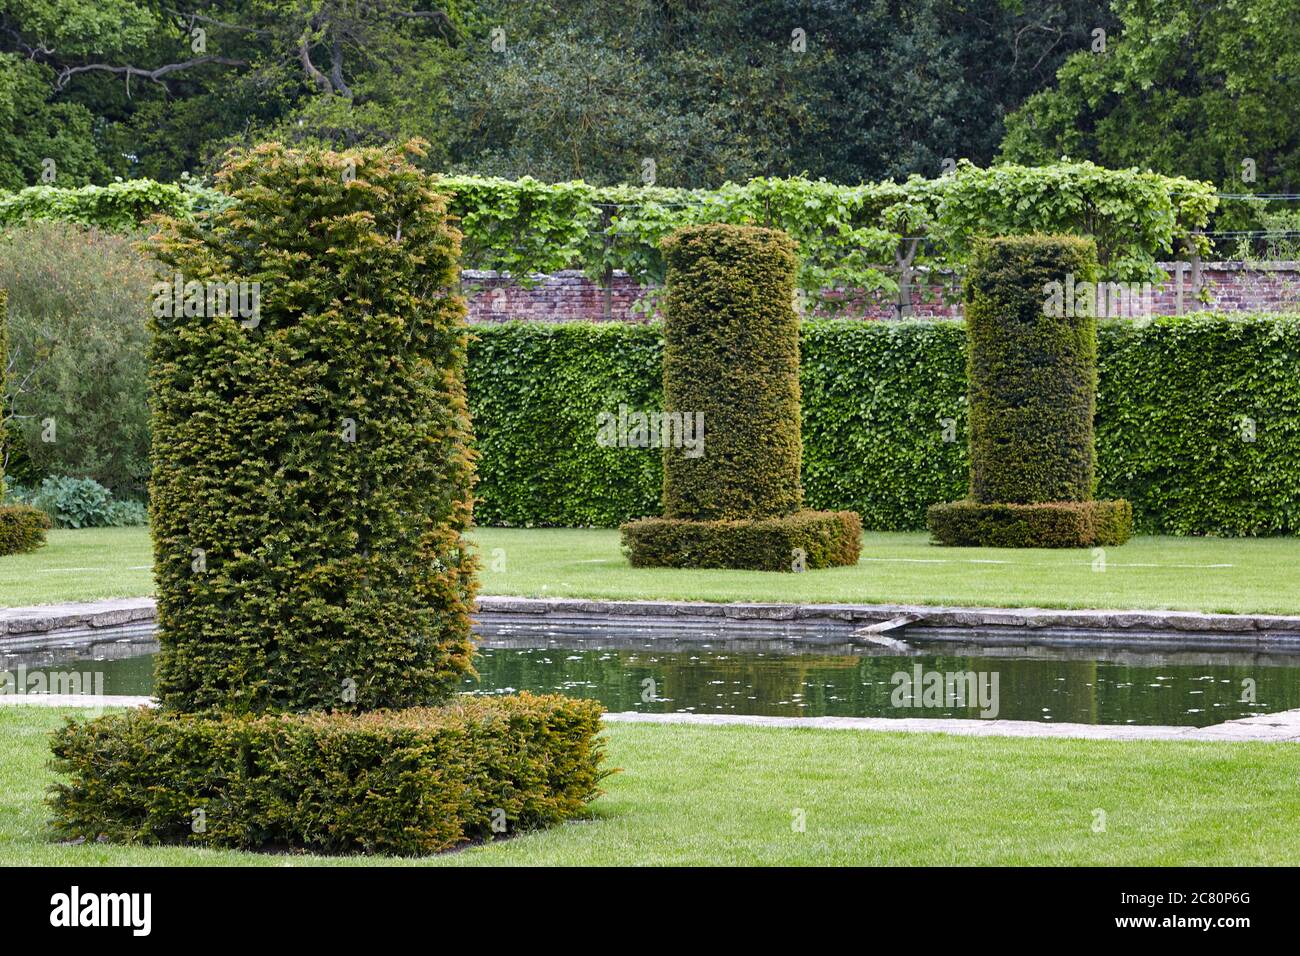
(311, 487)
(311, 468)
(731, 360)
(1032, 381)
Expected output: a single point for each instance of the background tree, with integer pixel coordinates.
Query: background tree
(1196, 88)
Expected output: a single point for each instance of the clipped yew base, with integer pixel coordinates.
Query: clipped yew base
(1054, 524)
(402, 782)
(802, 541)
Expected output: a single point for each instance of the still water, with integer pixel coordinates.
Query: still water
(786, 678)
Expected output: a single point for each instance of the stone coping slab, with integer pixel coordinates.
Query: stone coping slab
(1273, 728)
(43, 624)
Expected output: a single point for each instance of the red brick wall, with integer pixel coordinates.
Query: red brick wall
(570, 296)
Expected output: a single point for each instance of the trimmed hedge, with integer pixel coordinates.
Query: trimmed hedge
(1054, 524)
(731, 354)
(312, 474)
(536, 391)
(401, 782)
(804, 540)
(884, 421)
(1031, 374)
(22, 528)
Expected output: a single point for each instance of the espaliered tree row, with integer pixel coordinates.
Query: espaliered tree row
(1032, 380)
(22, 528)
(850, 236)
(312, 485)
(731, 363)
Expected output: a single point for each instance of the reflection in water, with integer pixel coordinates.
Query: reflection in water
(785, 678)
(846, 681)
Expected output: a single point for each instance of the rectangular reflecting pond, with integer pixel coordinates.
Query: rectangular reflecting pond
(782, 677)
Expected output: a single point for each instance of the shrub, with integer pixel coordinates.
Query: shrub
(1060, 524)
(1031, 363)
(731, 354)
(312, 477)
(79, 300)
(731, 357)
(402, 782)
(81, 503)
(22, 528)
(804, 540)
(1031, 375)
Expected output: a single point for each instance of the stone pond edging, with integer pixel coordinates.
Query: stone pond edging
(1282, 727)
(53, 624)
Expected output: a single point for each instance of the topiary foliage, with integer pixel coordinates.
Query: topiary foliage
(804, 540)
(731, 358)
(311, 467)
(1031, 362)
(1060, 524)
(404, 782)
(1031, 375)
(731, 353)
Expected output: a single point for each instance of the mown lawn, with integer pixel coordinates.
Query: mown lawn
(697, 795)
(1206, 574)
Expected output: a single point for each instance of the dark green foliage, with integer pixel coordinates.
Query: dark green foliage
(884, 418)
(804, 540)
(731, 357)
(1031, 365)
(876, 395)
(1031, 375)
(536, 391)
(312, 476)
(731, 353)
(1060, 524)
(401, 782)
(22, 529)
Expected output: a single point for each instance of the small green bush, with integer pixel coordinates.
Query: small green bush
(81, 503)
(804, 540)
(312, 475)
(731, 353)
(405, 782)
(22, 528)
(1058, 524)
(1032, 374)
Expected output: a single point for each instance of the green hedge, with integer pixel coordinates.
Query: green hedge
(312, 474)
(1031, 374)
(536, 391)
(1171, 402)
(401, 782)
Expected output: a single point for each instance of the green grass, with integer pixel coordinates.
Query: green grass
(700, 795)
(80, 565)
(1203, 574)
